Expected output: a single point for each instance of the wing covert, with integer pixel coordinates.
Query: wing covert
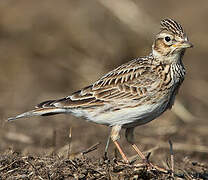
(131, 81)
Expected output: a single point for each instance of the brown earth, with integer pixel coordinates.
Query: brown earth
(50, 48)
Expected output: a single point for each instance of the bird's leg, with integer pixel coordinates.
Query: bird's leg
(121, 152)
(115, 136)
(130, 138)
(139, 152)
(106, 147)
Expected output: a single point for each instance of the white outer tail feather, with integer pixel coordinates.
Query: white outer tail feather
(38, 112)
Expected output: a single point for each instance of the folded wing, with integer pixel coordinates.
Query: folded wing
(133, 81)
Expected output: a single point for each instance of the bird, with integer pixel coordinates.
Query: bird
(131, 95)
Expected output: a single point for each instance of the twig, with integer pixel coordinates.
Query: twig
(148, 156)
(171, 158)
(5, 167)
(36, 171)
(70, 140)
(90, 149)
(12, 170)
(152, 150)
(187, 176)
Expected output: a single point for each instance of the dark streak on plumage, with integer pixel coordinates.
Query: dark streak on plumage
(173, 26)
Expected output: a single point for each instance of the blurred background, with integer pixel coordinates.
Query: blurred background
(50, 48)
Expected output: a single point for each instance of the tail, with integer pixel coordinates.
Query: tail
(64, 105)
(43, 109)
(38, 112)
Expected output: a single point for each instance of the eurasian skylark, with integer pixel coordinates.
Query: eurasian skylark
(133, 94)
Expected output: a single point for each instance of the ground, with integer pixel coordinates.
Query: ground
(48, 49)
(15, 166)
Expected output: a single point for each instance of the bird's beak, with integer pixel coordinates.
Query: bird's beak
(183, 45)
(186, 44)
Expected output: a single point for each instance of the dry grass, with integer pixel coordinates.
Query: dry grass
(16, 166)
(50, 48)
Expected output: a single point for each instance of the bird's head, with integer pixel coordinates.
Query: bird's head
(171, 41)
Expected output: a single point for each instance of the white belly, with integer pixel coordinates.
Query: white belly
(127, 117)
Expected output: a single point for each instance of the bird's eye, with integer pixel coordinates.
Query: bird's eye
(167, 39)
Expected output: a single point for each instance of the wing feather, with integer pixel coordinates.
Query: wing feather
(130, 81)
